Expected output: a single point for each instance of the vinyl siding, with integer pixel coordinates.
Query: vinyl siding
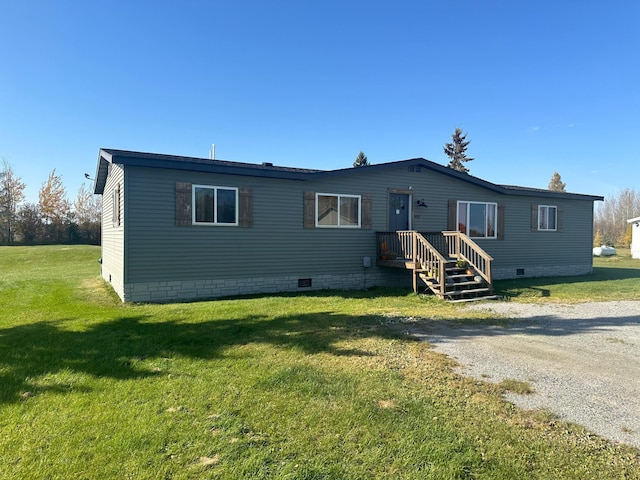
(278, 244)
(113, 253)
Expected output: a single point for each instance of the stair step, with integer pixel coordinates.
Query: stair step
(475, 299)
(467, 292)
(467, 283)
(461, 275)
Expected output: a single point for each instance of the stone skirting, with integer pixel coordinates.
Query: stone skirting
(172, 291)
(503, 273)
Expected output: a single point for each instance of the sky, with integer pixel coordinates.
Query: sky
(538, 86)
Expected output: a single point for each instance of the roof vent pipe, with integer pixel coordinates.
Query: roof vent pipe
(212, 152)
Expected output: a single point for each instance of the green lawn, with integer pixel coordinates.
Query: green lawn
(317, 386)
(613, 278)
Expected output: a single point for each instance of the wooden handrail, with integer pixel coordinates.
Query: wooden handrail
(419, 254)
(462, 247)
(431, 260)
(395, 245)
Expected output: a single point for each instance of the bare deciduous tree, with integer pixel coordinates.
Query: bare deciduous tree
(52, 200)
(55, 210)
(88, 212)
(610, 220)
(11, 194)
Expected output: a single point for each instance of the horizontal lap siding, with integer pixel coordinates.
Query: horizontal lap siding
(112, 235)
(277, 243)
(521, 247)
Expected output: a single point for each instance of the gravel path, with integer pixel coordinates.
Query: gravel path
(583, 360)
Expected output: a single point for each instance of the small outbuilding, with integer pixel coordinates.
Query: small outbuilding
(635, 237)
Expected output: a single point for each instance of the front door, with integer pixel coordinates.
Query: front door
(399, 210)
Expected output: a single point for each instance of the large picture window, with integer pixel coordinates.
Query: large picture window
(547, 218)
(477, 219)
(215, 205)
(337, 210)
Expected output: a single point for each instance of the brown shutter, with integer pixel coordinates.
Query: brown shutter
(183, 204)
(534, 218)
(366, 212)
(500, 225)
(309, 209)
(451, 219)
(245, 209)
(559, 219)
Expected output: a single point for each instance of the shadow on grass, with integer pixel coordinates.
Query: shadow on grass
(535, 286)
(540, 325)
(112, 348)
(373, 292)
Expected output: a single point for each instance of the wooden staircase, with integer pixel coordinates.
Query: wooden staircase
(460, 284)
(436, 260)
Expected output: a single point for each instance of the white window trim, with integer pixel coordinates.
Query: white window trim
(469, 202)
(215, 210)
(339, 195)
(546, 208)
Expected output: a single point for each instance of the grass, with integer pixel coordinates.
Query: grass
(319, 386)
(517, 386)
(613, 278)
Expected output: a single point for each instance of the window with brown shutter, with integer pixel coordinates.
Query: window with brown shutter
(309, 212)
(183, 204)
(245, 207)
(221, 206)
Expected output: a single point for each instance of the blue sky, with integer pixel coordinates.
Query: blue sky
(539, 86)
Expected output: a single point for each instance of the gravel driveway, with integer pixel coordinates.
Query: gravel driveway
(583, 360)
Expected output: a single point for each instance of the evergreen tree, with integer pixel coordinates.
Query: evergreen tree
(556, 184)
(29, 225)
(456, 151)
(361, 160)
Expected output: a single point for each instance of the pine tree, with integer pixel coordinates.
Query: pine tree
(361, 160)
(456, 151)
(556, 183)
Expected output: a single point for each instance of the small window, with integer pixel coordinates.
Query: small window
(115, 201)
(547, 218)
(215, 205)
(477, 219)
(337, 211)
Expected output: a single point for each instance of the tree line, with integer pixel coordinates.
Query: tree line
(610, 219)
(53, 219)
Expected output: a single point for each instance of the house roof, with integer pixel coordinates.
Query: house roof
(157, 160)
(633, 220)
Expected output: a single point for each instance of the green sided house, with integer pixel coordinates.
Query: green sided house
(180, 228)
